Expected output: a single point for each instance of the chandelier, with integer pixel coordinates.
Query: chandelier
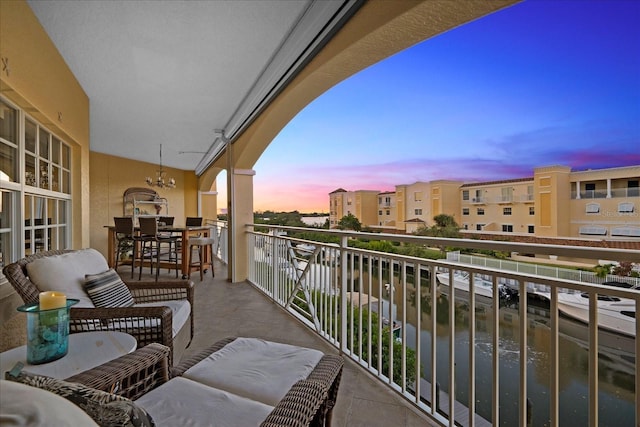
(160, 177)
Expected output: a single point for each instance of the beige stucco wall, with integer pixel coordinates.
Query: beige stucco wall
(41, 83)
(493, 202)
(366, 203)
(110, 176)
(609, 197)
(552, 192)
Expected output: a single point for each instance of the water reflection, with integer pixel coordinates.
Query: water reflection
(616, 370)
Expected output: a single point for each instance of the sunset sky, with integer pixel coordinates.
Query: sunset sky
(540, 83)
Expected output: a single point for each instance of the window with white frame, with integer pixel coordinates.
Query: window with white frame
(507, 228)
(625, 207)
(465, 211)
(465, 194)
(417, 211)
(506, 211)
(592, 208)
(480, 211)
(593, 230)
(33, 155)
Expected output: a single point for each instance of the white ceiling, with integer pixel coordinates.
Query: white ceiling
(171, 72)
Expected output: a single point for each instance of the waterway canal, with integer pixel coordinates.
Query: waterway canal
(616, 358)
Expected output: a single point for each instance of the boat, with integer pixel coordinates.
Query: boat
(614, 314)
(481, 287)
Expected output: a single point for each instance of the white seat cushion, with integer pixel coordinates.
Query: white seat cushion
(256, 369)
(182, 402)
(65, 273)
(180, 310)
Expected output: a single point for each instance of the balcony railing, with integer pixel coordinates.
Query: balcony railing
(492, 359)
(219, 231)
(602, 194)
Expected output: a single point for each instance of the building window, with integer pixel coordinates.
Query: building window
(626, 231)
(507, 228)
(388, 212)
(593, 230)
(506, 194)
(530, 229)
(592, 208)
(8, 143)
(625, 207)
(465, 194)
(31, 154)
(479, 227)
(465, 211)
(380, 212)
(348, 202)
(506, 211)
(532, 210)
(465, 226)
(417, 196)
(480, 211)
(417, 211)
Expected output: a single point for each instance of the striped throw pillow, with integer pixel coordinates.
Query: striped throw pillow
(106, 289)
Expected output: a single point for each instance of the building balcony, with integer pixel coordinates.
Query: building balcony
(602, 194)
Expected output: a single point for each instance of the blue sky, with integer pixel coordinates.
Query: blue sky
(540, 83)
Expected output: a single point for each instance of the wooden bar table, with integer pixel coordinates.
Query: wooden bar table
(185, 232)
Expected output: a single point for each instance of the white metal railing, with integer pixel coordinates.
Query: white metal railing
(541, 270)
(220, 233)
(444, 352)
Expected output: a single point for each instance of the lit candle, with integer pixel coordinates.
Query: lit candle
(52, 299)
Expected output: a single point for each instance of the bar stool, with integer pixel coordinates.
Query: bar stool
(151, 243)
(124, 235)
(201, 243)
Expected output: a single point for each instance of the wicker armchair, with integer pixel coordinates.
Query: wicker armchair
(308, 402)
(146, 324)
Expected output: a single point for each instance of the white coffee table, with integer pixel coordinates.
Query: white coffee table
(86, 350)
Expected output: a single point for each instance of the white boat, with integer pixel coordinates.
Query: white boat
(614, 314)
(481, 287)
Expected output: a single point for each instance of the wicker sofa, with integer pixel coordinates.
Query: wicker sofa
(145, 377)
(150, 320)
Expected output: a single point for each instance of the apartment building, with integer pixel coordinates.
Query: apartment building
(555, 202)
(360, 203)
(419, 202)
(605, 203)
(506, 206)
(387, 210)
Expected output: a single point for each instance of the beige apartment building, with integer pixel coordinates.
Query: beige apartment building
(419, 202)
(360, 203)
(387, 210)
(498, 206)
(555, 202)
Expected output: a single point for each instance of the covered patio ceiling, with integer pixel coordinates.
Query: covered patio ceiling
(174, 72)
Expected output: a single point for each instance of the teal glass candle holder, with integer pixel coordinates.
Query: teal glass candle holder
(47, 332)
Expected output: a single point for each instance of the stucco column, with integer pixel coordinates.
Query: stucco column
(608, 188)
(241, 206)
